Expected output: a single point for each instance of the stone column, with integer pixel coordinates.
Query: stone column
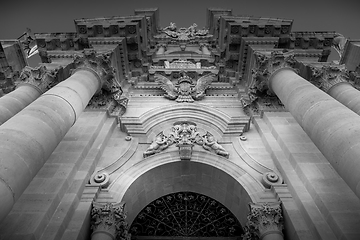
(334, 80)
(33, 83)
(108, 222)
(265, 222)
(332, 127)
(28, 139)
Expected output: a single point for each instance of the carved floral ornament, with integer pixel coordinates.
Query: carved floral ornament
(40, 78)
(110, 218)
(327, 76)
(263, 219)
(265, 65)
(185, 135)
(189, 33)
(110, 93)
(184, 90)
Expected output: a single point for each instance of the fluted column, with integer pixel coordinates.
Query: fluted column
(108, 222)
(33, 83)
(28, 139)
(332, 127)
(334, 80)
(265, 222)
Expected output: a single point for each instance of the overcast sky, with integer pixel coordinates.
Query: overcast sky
(45, 16)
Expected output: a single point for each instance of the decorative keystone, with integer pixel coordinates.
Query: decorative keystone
(264, 219)
(100, 65)
(109, 219)
(40, 78)
(327, 76)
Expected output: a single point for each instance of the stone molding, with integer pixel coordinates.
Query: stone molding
(328, 76)
(263, 219)
(40, 78)
(109, 218)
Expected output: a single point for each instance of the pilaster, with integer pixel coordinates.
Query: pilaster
(265, 221)
(108, 222)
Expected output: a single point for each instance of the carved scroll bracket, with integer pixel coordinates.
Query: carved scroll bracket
(327, 76)
(40, 78)
(109, 219)
(264, 219)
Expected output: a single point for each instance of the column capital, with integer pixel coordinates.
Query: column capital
(99, 64)
(264, 219)
(109, 218)
(327, 76)
(40, 78)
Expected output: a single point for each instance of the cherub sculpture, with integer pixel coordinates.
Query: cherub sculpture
(185, 90)
(211, 144)
(160, 143)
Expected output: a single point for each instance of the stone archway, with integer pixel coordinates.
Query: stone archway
(196, 177)
(185, 214)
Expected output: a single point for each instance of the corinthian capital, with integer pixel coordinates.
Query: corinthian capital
(109, 218)
(327, 76)
(40, 78)
(264, 219)
(100, 65)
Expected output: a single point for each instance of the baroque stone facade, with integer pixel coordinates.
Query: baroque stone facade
(239, 130)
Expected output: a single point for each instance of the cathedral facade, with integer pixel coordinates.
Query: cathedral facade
(129, 130)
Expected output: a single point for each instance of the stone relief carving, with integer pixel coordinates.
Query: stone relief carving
(110, 218)
(327, 76)
(263, 219)
(41, 78)
(185, 135)
(189, 33)
(184, 90)
(110, 95)
(258, 88)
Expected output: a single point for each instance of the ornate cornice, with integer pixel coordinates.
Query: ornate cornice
(263, 219)
(109, 219)
(327, 76)
(40, 78)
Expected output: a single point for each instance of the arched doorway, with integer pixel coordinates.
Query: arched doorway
(185, 215)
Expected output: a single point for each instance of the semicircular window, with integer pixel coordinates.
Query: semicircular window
(186, 214)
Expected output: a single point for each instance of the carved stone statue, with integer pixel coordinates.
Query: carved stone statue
(338, 43)
(185, 90)
(160, 143)
(211, 144)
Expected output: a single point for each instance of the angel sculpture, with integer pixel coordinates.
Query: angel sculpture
(185, 90)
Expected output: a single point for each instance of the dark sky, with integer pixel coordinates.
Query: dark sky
(47, 16)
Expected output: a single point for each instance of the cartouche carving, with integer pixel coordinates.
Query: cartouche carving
(184, 135)
(184, 90)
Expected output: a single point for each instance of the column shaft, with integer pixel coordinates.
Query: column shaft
(333, 128)
(28, 139)
(347, 95)
(15, 101)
